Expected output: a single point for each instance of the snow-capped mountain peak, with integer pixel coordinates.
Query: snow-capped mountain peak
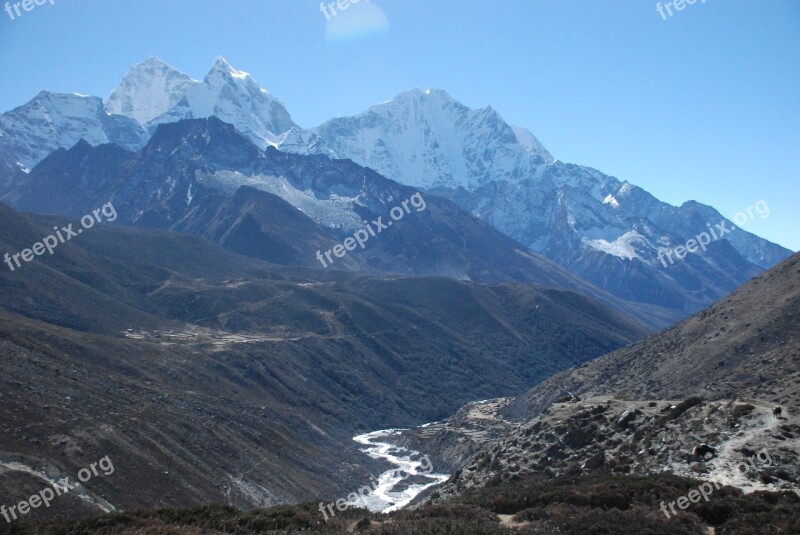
(222, 72)
(419, 94)
(236, 98)
(150, 89)
(51, 121)
(427, 138)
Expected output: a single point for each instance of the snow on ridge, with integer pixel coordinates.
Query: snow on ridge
(611, 200)
(335, 212)
(51, 121)
(623, 247)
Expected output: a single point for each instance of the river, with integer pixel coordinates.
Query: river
(395, 488)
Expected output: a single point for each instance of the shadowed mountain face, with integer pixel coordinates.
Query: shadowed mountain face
(261, 225)
(209, 376)
(204, 178)
(10, 170)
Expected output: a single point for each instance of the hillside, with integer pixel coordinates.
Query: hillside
(212, 377)
(711, 380)
(747, 345)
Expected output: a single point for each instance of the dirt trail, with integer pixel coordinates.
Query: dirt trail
(728, 457)
(507, 521)
(727, 467)
(478, 421)
(49, 481)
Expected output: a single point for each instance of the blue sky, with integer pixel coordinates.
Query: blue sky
(704, 105)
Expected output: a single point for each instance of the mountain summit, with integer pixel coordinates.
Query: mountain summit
(236, 98)
(150, 89)
(51, 121)
(427, 138)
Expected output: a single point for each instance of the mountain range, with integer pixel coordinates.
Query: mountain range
(203, 177)
(606, 231)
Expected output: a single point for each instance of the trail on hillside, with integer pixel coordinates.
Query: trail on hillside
(79, 490)
(726, 466)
